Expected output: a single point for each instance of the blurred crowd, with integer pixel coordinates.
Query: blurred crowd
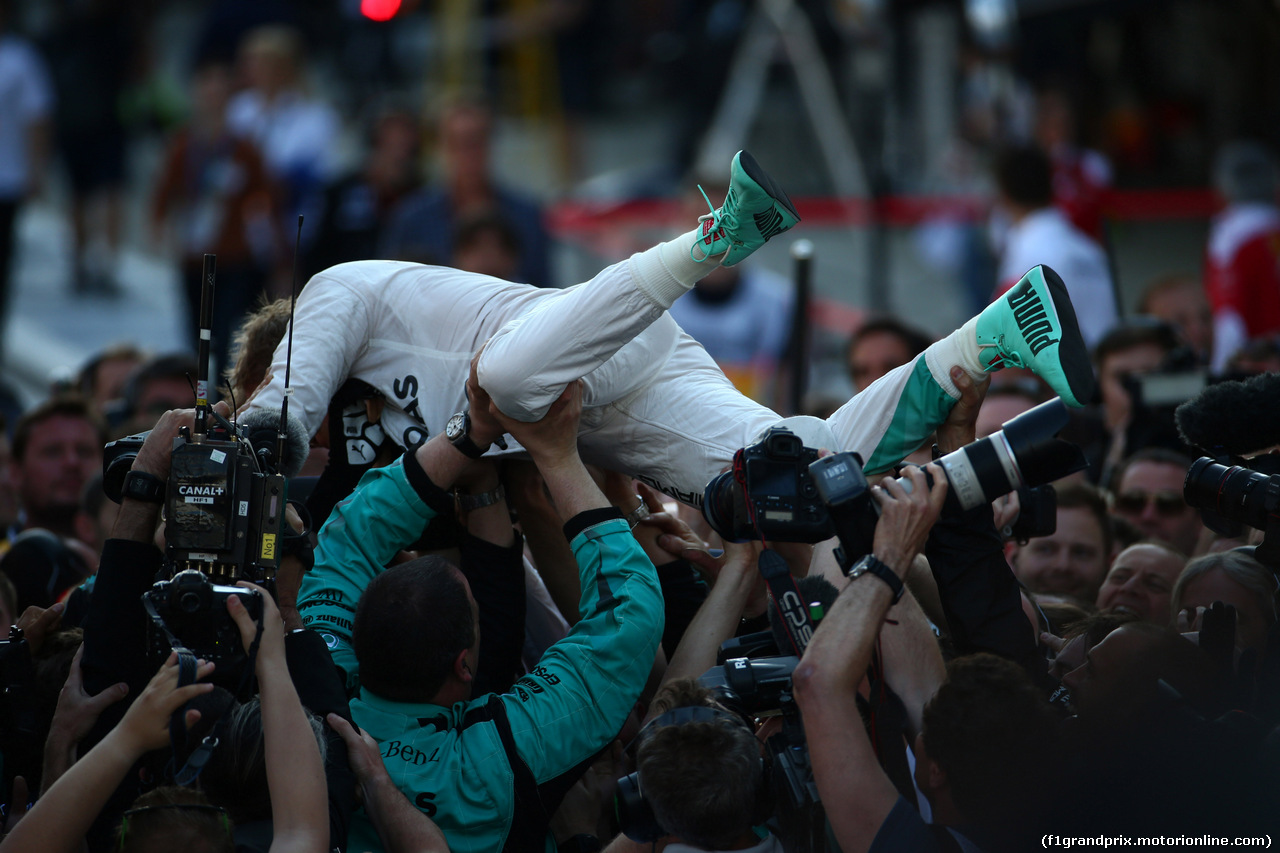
(466, 649)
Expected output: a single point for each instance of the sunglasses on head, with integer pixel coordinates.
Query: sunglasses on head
(1168, 504)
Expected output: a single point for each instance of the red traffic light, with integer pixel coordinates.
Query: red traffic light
(379, 10)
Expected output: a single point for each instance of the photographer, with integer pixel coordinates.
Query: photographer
(116, 629)
(295, 774)
(976, 734)
(703, 777)
(488, 769)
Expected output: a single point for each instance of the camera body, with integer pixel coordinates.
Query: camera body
(779, 489)
(769, 490)
(192, 609)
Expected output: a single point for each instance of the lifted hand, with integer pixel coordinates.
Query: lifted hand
(552, 441)
(959, 428)
(146, 724)
(906, 518)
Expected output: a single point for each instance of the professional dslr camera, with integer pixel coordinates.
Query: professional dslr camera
(779, 489)
(1231, 496)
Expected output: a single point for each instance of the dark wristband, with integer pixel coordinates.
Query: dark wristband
(581, 843)
(141, 486)
(432, 495)
(467, 447)
(870, 565)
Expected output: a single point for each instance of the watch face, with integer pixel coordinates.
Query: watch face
(456, 427)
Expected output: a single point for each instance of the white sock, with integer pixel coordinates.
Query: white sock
(666, 272)
(960, 347)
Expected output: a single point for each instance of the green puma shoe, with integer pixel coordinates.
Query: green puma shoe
(1034, 326)
(755, 209)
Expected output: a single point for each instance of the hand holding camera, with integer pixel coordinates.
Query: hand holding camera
(157, 449)
(271, 646)
(146, 724)
(907, 515)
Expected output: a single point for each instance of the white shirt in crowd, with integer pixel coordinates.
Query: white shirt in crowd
(26, 96)
(1047, 237)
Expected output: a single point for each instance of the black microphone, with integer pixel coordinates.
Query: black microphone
(1233, 418)
(262, 428)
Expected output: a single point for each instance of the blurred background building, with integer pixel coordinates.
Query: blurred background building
(594, 118)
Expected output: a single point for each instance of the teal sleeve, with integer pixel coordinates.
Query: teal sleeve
(922, 406)
(362, 535)
(578, 696)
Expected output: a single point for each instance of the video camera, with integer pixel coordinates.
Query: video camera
(1237, 495)
(224, 501)
(224, 506)
(224, 521)
(1233, 420)
(762, 687)
(779, 489)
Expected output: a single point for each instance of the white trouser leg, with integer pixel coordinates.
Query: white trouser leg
(528, 363)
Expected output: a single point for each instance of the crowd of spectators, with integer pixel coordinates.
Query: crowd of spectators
(472, 650)
(456, 673)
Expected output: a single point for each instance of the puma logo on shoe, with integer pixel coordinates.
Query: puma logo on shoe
(754, 211)
(769, 223)
(1030, 315)
(710, 232)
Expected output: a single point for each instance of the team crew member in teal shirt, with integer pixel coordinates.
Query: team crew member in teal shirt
(489, 770)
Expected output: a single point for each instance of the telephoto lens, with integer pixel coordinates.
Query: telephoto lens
(1233, 492)
(1026, 452)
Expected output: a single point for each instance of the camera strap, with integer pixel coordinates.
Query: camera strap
(187, 666)
(783, 592)
(299, 544)
(187, 671)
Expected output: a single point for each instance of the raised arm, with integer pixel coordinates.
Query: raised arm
(859, 796)
(295, 773)
(491, 557)
(913, 665)
(977, 590)
(331, 328)
(388, 511)
(60, 819)
(399, 824)
(576, 699)
(721, 613)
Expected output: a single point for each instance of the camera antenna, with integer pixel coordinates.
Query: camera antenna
(206, 336)
(288, 358)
